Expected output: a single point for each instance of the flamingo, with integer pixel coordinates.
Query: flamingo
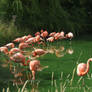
(61, 35)
(18, 40)
(31, 40)
(57, 35)
(10, 45)
(19, 58)
(23, 45)
(26, 37)
(4, 49)
(37, 38)
(50, 39)
(22, 39)
(52, 34)
(14, 50)
(44, 34)
(82, 68)
(34, 65)
(37, 33)
(41, 30)
(38, 52)
(69, 35)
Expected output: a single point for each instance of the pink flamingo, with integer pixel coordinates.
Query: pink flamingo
(22, 39)
(26, 37)
(62, 33)
(37, 33)
(34, 66)
(23, 45)
(44, 34)
(37, 38)
(41, 30)
(19, 58)
(14, 50)
(69, 35)
(18, 40)
(82, 68)
(10, 45)
(31, 40)
(56, 36)
(4, 49)
(52, 34)
(50, 39)
(38, 52)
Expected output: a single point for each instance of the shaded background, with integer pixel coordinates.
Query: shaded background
(21, 17)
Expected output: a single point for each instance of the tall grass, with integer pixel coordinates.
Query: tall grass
(62, 86)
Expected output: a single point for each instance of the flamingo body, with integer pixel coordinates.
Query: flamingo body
(10, 45)
(33, 66)
(81, 68)
(14, 50)
(23, 45)
(4, 49)
(38, 52)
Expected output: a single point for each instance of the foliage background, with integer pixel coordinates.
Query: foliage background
(30, 16)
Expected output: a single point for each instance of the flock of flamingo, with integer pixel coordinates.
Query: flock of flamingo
(18, 53)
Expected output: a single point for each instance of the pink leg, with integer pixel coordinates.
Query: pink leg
(33, 73)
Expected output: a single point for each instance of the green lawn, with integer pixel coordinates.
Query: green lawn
(60, 76)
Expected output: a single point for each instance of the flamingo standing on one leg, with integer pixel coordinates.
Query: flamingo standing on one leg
(34, 65)
(82, 68)
(19, 58)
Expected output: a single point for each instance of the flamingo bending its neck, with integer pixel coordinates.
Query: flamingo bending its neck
(34, 65)
(82, 68)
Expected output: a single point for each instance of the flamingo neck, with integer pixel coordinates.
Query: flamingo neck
(87, 69)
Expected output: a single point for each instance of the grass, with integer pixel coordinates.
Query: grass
(60, 76)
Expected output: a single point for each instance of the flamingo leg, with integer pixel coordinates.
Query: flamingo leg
(33, 74)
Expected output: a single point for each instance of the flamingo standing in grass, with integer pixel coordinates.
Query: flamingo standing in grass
(18, 40)
(20, 58)
(69, 35)
(37, 33)
(23, 45)
(14, 50)
(50, 39)
(31, 40)
(82, 68)
(52, 34)
(4, 49)
(37, 38)
(44, 34)
(10, 45)
(38, 52)
(22, 39)
(34, 66)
